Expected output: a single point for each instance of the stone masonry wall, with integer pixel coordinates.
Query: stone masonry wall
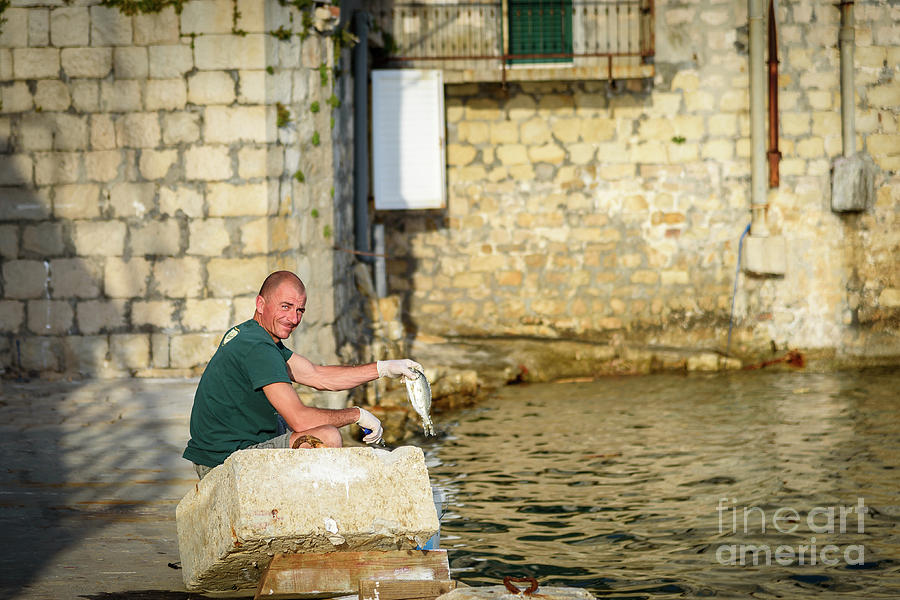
(150, 179)
(612, 212)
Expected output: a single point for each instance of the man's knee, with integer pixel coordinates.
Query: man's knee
(327, 434)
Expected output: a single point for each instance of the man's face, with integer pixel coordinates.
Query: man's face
(282, 311)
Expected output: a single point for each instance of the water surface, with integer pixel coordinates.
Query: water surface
(637, 487)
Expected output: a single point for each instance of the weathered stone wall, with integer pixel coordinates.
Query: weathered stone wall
(150, 175)
(613, 212)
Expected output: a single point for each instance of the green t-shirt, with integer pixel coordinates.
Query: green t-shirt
(231, 412)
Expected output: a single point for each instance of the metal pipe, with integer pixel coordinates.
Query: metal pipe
(361, 22)
(758, 203)
(773, 155)
(847, 37)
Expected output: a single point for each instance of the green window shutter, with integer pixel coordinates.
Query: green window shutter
(540, 27)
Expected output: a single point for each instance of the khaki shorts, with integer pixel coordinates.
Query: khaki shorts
(277, 442)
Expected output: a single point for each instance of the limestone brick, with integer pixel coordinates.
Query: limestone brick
(253, 18)
(129, 350)
(885, 95)
(826, 123)
(192, 349)
(454, 108)
(255, 237)
(9, 241)
(155, 164)
(228, 277)
(98, 238)
(253, 86)
(820, 99)
(206, 16)
(125, 278)
(103, 165)
(182, 199)
(226, 125)
(180, 128)
(20, 204)
(598, 130)
(120, 96)
(76, 201)
(534, 132)
(131, 199)
(549, 153)
(211, 314)
(501, 132)
(16, 98)
(173, 61)
(70, 132)
(666, 103)
(795, 123)
(99, 316)
(178, 277)
(52, 95)
(92, 63)
(85, 95)
(151, 237)
(718, 149)
(16, 169)
(723, 124)
(6, 68)
(656, 129)
(75, 278)
(224, 52)
(699, 101)
(159, 350)
(138, 130)
(12, 315)
(211, 87)
(70, 26)
(208, 163)
(38, 27)
(581, 154)
(165, 94)
(110, 27)
(482, 109)
(512, 154)
(521, 172)
(261, 161)
(39, 354)
(156, 28)
(15, 30)
(103, 132)
(208, 237)
(460, 154)
(883, 144)
(156, 313)
(49, 317)
(470, 173)
(229, 200)
(130, 62)
(812, 147)
(57, 167)
(24, 279)
(35, 63)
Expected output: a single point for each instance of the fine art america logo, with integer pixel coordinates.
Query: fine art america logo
(824, 521)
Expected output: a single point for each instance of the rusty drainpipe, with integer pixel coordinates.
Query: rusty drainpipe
(774, 155)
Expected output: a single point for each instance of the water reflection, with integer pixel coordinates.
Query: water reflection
(631, 487)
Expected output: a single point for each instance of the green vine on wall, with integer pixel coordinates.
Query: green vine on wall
(133, 7)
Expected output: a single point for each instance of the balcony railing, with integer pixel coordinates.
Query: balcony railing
(516, 39)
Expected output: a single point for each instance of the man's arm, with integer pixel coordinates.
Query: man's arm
(329, 378)
(300, 417)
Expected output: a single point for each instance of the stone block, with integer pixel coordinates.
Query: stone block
(178, 277)
(193, 349)
(227, 52)
(110, 27)
(70, 26)
(180, 127)
(40, 354)
(87, 355)
(211, 87)
(212, 315)
(261, 161)
(226, 125)
(125, 279)
(77, 201)
(129, 350)
(85, 95)
(24, 205)
(88, 63)
(228, 277)
(182, 199)
(130, 62)
(500, 592)
(120, 96)
(75, 278)
(228, 200)
(138, 130)
(207, 163)
(165, 94)
(35, 63)
(255, 237)
(12, 316)
(38, 27)
(103, 132)
(102, 166)
(16, 98)
(9, 240)
(16, 169)
(512, 154)
(131, 199)
(99, 238)
(52, 95)
(156, 238)
(49, 317)
(156, 28)
(154, 313)
(322, 500)
(70, 132)
(168, 62)
(15, 30)
(535, 131)
(206, 16)
(24, 279)
(208, 237)
(253, 85)
(155, 164)
(35, 132)
(99, 316)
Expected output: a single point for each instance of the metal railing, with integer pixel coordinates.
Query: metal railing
(462, 35)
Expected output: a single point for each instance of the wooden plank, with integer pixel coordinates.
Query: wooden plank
(330, 574)
(374, 589)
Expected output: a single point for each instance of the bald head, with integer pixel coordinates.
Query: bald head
(275, 280)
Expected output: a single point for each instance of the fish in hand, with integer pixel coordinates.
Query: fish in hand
(419, 393)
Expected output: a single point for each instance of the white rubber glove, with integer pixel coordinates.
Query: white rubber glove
(398, 368)
(369, 421)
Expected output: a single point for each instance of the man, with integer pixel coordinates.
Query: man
(248, 380)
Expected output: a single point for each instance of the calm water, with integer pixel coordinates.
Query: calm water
(638, 487)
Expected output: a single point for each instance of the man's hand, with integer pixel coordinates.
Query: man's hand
(398, 368)
(369, 421)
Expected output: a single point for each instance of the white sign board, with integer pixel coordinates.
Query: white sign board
(408, 139)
